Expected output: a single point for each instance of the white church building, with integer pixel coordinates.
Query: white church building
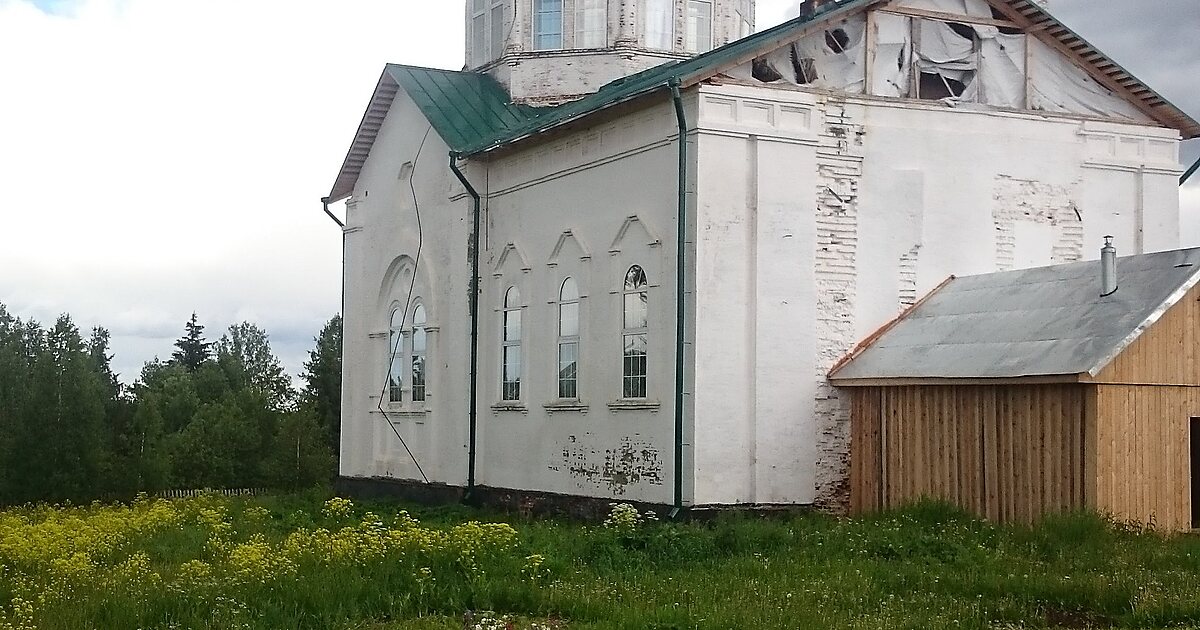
(617, 255)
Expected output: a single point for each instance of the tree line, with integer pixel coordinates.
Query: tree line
(220, 414)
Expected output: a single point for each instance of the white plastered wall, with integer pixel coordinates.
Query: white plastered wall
(381, 252)
(585, 205)
(821, 217)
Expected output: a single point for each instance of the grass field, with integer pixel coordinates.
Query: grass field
(308, 562)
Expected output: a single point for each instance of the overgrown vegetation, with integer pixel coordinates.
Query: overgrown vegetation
(217, 415)
(302, 562)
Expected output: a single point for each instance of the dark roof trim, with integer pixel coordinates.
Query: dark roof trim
(1110, 73)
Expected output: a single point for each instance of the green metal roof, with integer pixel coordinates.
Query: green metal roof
(464, 107)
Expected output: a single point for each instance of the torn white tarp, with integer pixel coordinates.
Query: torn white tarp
(1001, 80)
(1058, 85)
(891, 66)
(946, 58)
(834, 59)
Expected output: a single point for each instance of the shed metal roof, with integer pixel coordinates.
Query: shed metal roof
(1049, 321)
(474, 114)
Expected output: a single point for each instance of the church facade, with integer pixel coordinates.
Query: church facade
(617, 256)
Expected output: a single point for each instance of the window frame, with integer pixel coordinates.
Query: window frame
(479, 33)
(535, 35)
(669, 7)
(395, 357)
(418, 392)
(565, 301)
(630, 378)
(581, 28)
(511, 305)
(691, 42)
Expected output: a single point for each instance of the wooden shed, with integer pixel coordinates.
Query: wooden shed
(1023, 393)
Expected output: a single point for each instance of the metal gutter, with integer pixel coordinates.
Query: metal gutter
(472, 417)
(680, 295)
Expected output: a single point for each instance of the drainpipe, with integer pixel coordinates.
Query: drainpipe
(680, 297)
(1191, 171)
(474, 307)
(340, 224)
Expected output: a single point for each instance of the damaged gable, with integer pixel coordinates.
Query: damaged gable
(962, 53)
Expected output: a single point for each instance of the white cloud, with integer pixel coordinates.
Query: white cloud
(161, 157)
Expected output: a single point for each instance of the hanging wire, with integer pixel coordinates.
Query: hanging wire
(393, 351)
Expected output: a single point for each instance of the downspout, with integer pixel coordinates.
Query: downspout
(680, 296)
(1191, 171)
(340, 224)
(342, 306)
(474, 308)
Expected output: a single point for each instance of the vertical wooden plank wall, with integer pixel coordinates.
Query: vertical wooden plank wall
(866, 454)
(1009, 453)
(1145, 402)
(1143, 453)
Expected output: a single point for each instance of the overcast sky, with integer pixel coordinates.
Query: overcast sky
(159, 157)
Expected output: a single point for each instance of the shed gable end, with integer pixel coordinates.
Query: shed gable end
(1166, 353)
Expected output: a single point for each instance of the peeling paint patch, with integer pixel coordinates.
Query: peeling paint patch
(632, 461)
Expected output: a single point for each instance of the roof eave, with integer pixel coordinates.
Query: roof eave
(364, 138)
(945, 381)
(1172, 118)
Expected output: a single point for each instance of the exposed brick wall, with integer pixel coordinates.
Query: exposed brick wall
(839, 168)
(1040, 203)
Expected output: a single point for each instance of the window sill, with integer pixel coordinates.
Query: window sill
(511, 406)
(634, 405)
(417, 414)
(566, 405)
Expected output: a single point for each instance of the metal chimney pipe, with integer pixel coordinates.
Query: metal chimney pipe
(1108, 268)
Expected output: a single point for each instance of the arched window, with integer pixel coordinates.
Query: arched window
(419, 342)
(511, 380)
(634, 334)
(395, 376)
(568, 340)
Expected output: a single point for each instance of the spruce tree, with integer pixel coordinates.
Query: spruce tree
(322, 376)
(192, 350)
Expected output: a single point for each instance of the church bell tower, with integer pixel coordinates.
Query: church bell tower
(550, 51)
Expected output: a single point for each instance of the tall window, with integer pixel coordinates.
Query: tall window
(511, 383)
(660, 24)
(479, 32)
(744, 28)
(568, 340)
(498, 37)
(547, 24)
(419, 343)
(699, 24)
(591, 23)
(396, 356)
(634, 332)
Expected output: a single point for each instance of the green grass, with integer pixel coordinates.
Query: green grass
(925, 567)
